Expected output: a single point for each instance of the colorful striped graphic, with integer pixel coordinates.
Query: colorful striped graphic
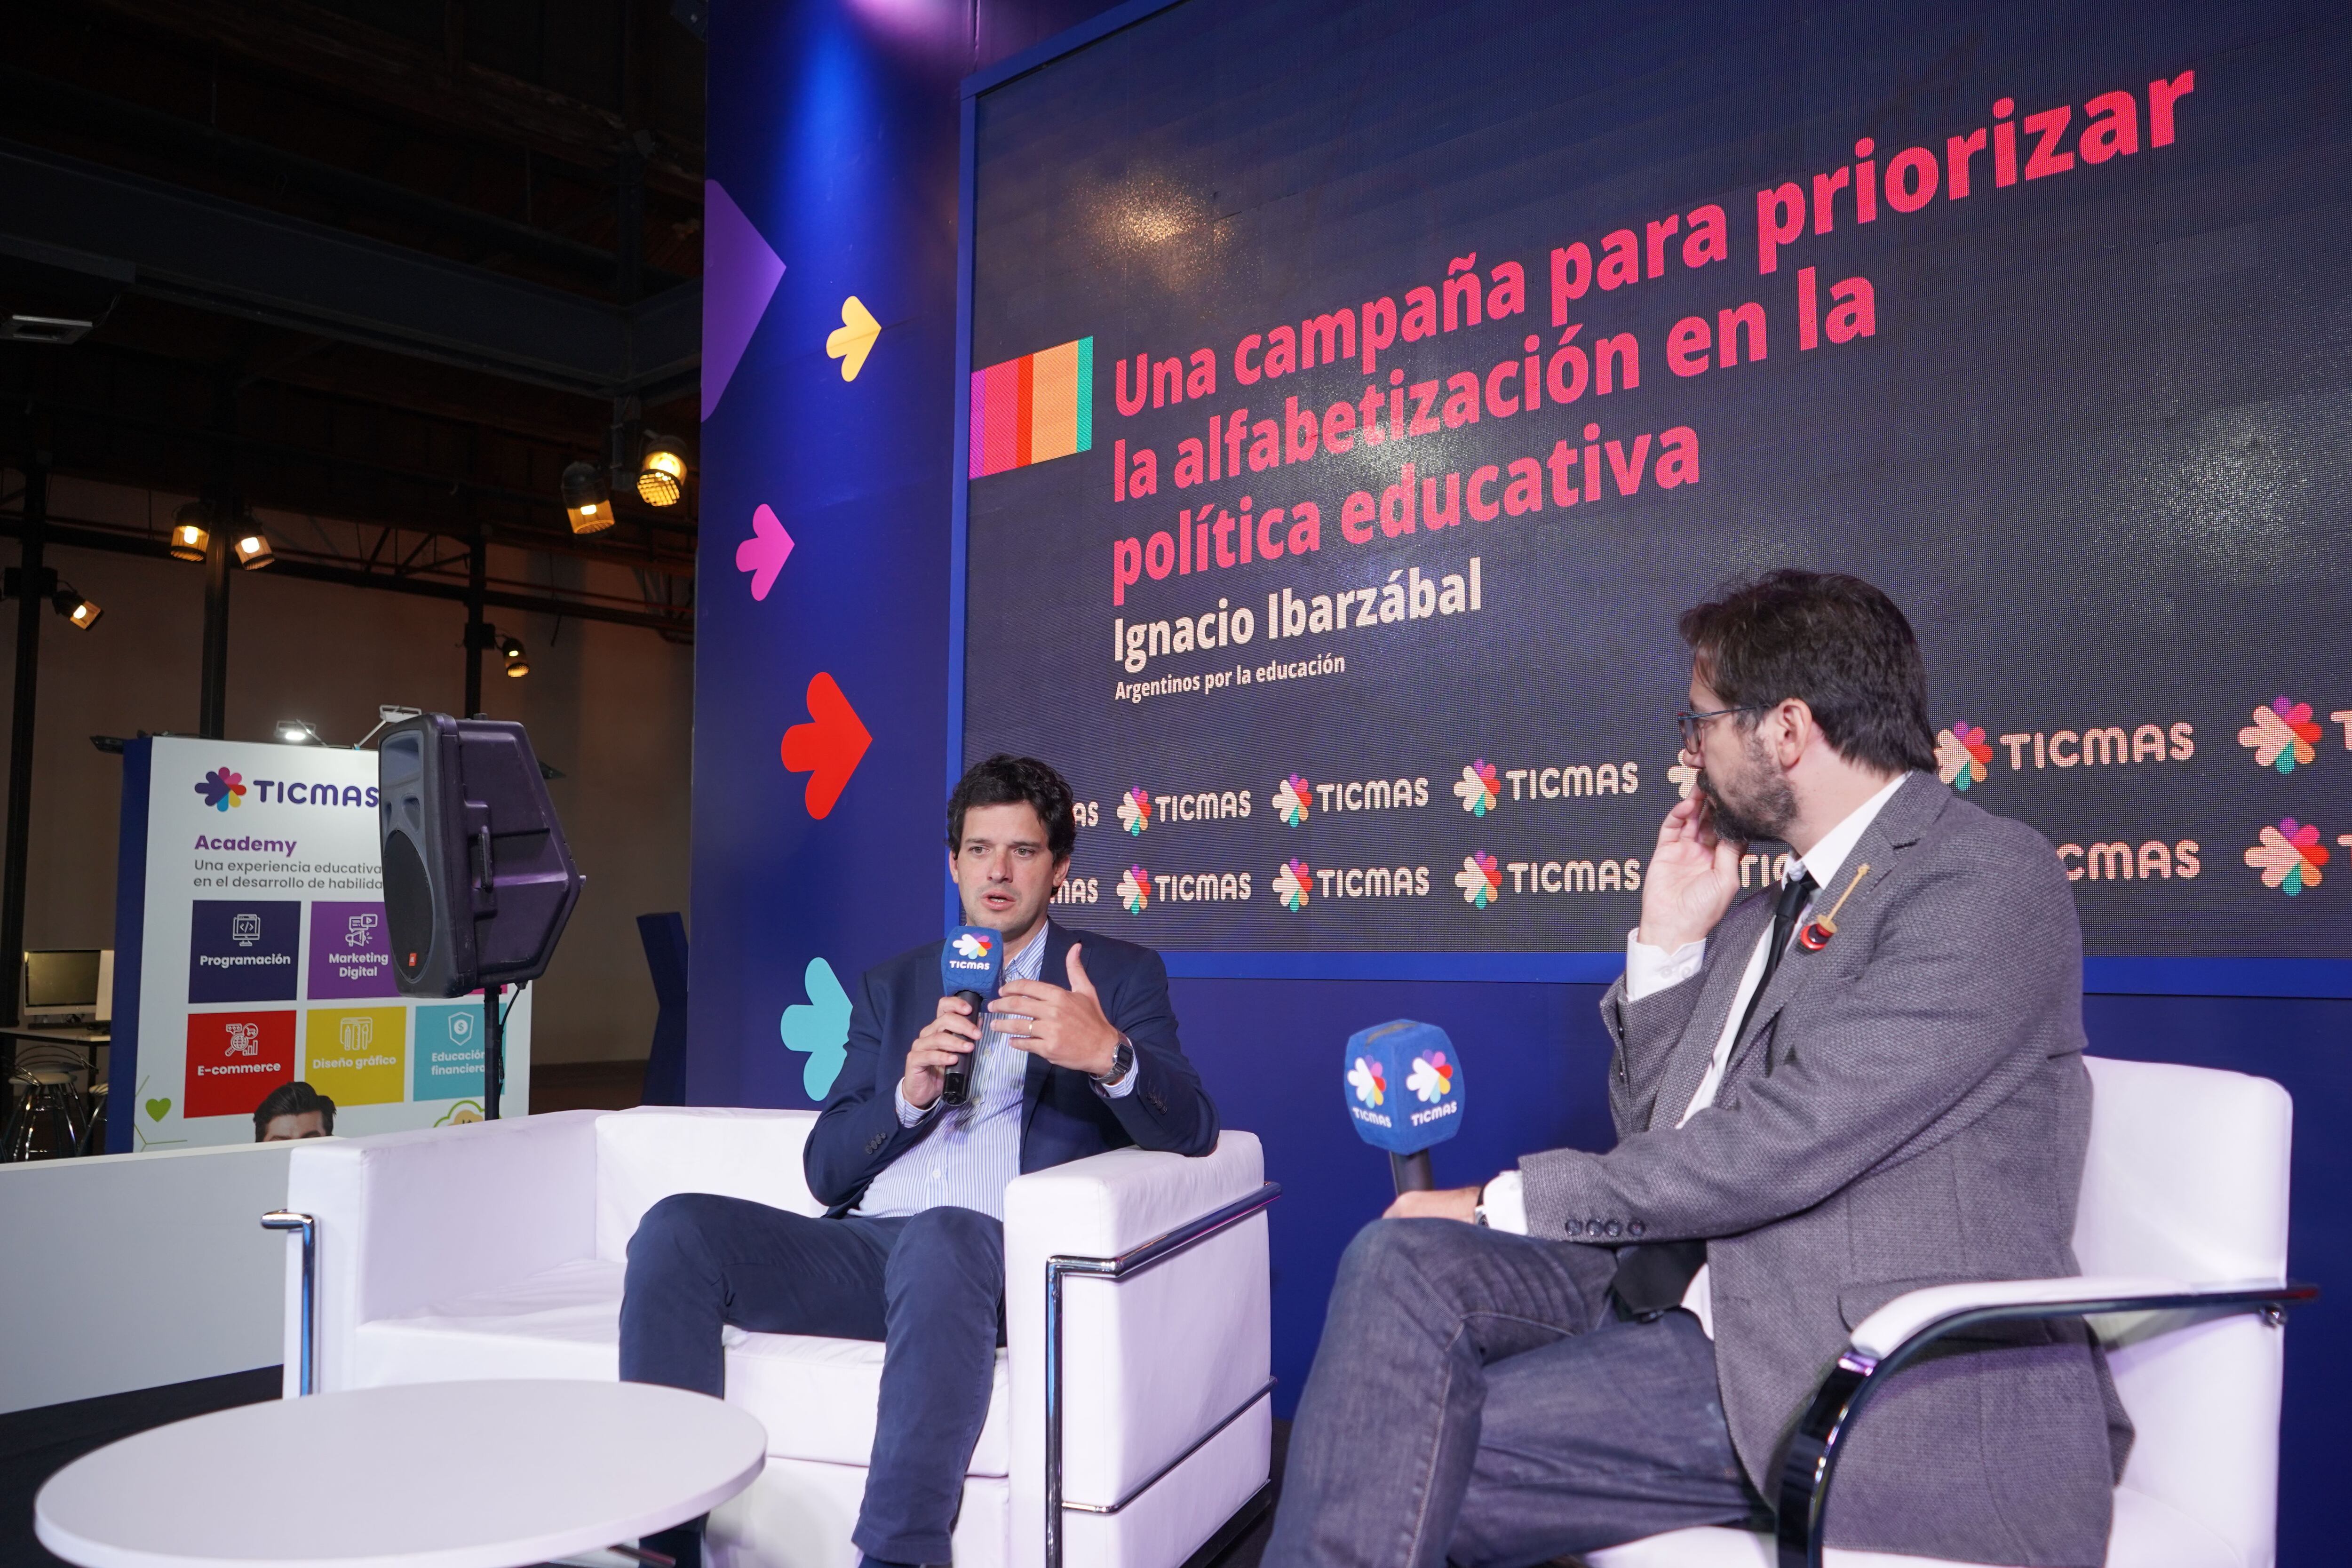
(1038, 407)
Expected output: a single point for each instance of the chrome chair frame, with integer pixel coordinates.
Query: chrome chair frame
(1813, 1450)
(287, 1219)
(1125, 1265)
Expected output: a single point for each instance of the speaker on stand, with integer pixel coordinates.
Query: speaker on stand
(477, 880)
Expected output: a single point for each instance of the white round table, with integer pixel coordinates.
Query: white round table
(428, 1475)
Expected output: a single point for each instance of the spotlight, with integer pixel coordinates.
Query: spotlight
(190, 537)
(587, 499)
(299, 732)
(518, 665)
(253, 552)
(661, 479)
(81, 612)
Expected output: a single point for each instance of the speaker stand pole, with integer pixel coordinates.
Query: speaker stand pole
(494, 1051)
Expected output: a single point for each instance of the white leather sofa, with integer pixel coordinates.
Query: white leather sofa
(2182, 1224)
(496, 1250)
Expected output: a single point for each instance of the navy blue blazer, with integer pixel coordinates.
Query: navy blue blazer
(1063, 1117)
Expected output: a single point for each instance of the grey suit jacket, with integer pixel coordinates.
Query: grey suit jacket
(1908, 1107)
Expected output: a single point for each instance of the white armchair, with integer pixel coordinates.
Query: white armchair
(496, 1250)
(2181, 1233)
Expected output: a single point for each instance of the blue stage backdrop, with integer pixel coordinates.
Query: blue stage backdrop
(2091, 439)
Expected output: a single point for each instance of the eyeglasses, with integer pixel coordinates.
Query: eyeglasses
(1694, 725)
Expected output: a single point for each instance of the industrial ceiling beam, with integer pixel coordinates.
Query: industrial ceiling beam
(82, 536)
(265, 267)
(438, 89)
(31, 97)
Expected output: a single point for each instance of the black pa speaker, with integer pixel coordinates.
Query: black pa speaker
(478, 881)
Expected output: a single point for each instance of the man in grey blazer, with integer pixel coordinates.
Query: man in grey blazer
(1861, 1079)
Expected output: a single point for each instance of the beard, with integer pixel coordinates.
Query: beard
(1755, 806)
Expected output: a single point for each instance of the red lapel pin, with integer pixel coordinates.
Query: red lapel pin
(1817, 932)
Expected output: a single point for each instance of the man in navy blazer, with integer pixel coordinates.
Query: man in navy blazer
(1077, 1055)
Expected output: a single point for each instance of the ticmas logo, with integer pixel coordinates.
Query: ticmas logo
(1290, 799)
(1371, 1084)
(1432, 1077)
(972, 945)
(1135, 810)
(2281, 735)
(1476, 788)
(2289, 856)
(221, 789)
(1135, 889)
(1292, 884)
(1961, 754)
(1480, 879)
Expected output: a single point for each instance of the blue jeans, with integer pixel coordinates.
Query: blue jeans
(930, 1286)
(1474, 1400)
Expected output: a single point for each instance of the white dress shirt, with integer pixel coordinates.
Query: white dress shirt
(1650, 970)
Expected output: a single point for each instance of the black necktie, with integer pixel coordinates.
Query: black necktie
(1655, 1276)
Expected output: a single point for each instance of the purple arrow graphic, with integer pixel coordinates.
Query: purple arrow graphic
(739, 274)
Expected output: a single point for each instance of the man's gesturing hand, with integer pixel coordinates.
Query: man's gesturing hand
(1691, 878)
(951, 1033)
(1066, 1028)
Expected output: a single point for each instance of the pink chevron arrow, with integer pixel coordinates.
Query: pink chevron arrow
(765, 554)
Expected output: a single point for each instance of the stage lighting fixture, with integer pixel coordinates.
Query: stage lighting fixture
(299, 732)
(587, 499)
(80, 612)
(661, 479)
(189, 535)
(518, 665)
(253, 552)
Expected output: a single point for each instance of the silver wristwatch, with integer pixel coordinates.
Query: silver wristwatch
(1123, 1062)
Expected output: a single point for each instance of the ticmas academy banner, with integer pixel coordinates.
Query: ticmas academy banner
(1362, 390)
(263, 956)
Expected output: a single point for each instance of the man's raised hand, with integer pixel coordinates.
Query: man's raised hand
(1066, 1028)
(1691, 879)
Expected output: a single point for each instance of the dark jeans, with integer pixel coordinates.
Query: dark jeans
(929, 1287)
(1474, 1400)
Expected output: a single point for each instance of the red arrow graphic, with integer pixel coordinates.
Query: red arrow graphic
(827, 747)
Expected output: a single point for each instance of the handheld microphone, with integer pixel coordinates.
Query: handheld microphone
(971, 965)
(1402, 1083)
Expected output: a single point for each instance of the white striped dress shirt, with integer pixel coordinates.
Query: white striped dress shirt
(976, 1149)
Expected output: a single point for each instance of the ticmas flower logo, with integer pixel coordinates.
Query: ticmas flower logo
(1480, 879)
(1135, 889)
(1135, 811)
(1292, 884)
(1476, 788)
(2281, 736)
(1291, 798)
(972, 945)
(221, 789)
(1432, 1077)
(1371, 1085)
(1961, 754)
(2289, 857)
(1685, 779)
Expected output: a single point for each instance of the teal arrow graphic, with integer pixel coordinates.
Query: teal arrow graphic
(820, 1028)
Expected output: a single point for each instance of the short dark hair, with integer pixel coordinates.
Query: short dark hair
(295, 1099)
(1007, 780)
(1833, 641)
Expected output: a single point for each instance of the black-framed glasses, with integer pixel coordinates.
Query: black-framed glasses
(1694, 725)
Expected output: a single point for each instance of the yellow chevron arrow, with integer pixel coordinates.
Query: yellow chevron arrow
(854, 338)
